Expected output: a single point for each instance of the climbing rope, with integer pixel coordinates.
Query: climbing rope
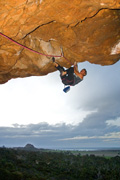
(47, 55)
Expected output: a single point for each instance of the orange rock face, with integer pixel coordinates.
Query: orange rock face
(87, 30)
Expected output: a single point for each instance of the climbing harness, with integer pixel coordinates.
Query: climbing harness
(66, 89)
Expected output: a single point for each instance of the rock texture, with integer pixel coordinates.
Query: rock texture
(87, 30)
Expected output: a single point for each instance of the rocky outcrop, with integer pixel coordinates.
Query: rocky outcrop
(29, 147)
(86, 31)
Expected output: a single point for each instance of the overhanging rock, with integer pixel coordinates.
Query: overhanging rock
(86, 31)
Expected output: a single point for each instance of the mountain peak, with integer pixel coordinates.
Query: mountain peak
(29, 147)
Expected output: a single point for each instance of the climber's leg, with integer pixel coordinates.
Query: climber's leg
(60, 68)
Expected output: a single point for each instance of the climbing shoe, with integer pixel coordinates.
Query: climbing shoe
(53, 59)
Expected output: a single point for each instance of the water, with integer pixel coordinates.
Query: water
(88, 148)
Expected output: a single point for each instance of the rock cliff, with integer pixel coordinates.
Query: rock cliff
(87, 30)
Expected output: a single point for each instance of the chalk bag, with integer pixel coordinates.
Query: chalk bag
(66, 89)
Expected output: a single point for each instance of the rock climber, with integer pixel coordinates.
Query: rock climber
(70, 76)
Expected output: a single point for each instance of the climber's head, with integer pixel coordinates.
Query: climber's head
(83, 72)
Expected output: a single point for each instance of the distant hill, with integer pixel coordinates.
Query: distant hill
(29, 147)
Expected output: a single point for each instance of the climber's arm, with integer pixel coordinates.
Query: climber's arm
(76, 71)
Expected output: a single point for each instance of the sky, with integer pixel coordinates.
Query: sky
(35, 110)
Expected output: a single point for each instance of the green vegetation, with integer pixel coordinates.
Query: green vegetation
(64, 165)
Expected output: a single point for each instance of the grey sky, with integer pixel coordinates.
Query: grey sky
(36, 110)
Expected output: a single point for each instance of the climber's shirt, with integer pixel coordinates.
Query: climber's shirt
(76, 80)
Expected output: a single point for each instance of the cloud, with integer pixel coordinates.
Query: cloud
(115, 122)
(60, 135)
(108, 137)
